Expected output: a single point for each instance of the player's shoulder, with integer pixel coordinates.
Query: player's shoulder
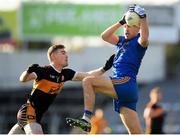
(45, 67)
(68, 73)
(152, 105)
(149, 105)
(121, 40)
(65, 70)
(135, 38)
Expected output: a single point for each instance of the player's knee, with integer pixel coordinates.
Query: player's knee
(87, 81)
(33, 128)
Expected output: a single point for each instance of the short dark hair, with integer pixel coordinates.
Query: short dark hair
(53, 48)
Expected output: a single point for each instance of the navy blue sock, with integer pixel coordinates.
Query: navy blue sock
(87, 115)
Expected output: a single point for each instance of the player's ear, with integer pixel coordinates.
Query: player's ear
(52, 57)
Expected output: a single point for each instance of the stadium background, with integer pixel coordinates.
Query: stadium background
(27, 28)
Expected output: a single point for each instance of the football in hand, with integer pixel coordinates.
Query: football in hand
(132, 19)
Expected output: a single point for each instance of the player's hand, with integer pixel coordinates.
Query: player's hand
(32, 68)
(109, 63)
(123, 21)
(139, 10)
(132, 7)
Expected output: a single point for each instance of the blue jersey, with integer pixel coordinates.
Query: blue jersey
(128, 58)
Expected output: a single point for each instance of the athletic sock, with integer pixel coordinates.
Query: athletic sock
(87, 115)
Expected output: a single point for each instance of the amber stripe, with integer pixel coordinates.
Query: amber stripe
(48, 86)
(122, 80)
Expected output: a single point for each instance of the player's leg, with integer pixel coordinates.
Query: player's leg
(16, 129)
(91, 86)
(27, 119)
(33, 128)
(131, 121)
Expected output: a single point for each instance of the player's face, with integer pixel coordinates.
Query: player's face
(159, 96)
(61, 57)
(156, 96)
(130, 31)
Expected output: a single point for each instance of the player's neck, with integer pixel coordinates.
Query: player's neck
(58, 68)
(154, 101)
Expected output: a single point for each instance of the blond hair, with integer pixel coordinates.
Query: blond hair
(156, 90)
(52, 49)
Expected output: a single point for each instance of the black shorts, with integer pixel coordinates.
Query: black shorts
(26, 114)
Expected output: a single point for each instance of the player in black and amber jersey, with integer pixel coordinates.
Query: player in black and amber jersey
(48, 83)
(154, 113)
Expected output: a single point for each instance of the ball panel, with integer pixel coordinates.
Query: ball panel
(132, 19)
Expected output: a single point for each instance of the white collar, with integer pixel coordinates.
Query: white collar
(55, 68)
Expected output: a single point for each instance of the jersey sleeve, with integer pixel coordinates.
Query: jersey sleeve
(68, 74)
(38, 73)
(121, 40)
(139, 45)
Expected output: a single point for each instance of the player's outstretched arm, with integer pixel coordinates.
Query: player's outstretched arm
(109, 34)
(79, 76)
(97, 72)
(28, 75)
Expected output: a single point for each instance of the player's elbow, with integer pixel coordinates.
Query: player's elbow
(145, 42)
(21, 79)
(103, 36)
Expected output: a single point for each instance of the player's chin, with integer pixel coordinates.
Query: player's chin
(65, 65)
(126, 36)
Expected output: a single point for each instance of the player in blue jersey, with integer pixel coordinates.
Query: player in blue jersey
(122, 85)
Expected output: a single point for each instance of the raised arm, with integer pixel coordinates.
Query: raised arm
(109, 34)
(144, 32)
(144, 28)
(79, 76)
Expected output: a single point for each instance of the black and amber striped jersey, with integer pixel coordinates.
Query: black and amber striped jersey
(48, 84)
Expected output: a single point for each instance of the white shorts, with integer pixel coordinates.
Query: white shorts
(33, 128)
